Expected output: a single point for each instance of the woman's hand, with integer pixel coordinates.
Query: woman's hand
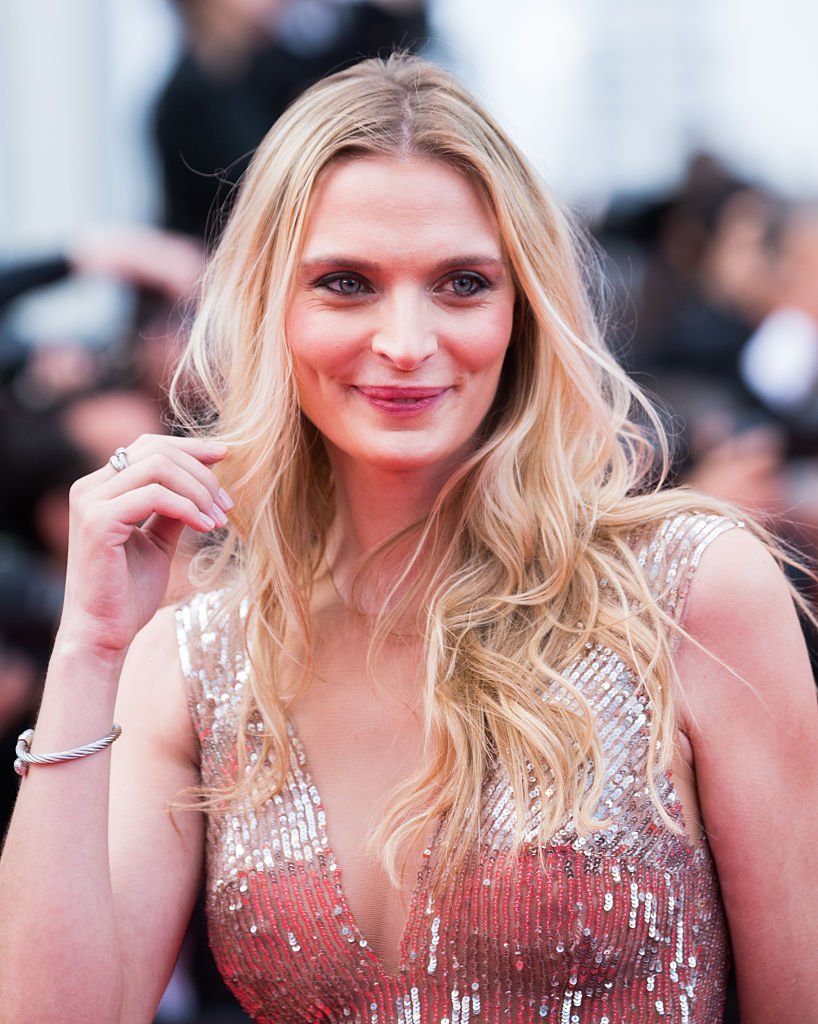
(124, 530)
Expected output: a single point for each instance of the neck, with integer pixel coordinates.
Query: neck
(373, 505)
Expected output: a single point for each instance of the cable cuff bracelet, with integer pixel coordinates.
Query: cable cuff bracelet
(26, 758)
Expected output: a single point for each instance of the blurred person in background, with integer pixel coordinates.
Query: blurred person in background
(162, 268)
(779, 362)
(243, 62)
(701, 287)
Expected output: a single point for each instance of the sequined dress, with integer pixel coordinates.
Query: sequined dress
(622, 927)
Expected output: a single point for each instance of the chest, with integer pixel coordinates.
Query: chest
(619, 921)
(616, 922)
(358, 719)
(356, 724)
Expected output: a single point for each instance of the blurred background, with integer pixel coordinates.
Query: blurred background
(679, 134)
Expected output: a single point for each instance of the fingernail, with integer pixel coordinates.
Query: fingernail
(216, 448)
(206, 521)
(219, 515)
(224, 499)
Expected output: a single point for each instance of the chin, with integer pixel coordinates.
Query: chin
(400, 460)
(400, 454)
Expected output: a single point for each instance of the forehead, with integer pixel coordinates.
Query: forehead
(410, 202)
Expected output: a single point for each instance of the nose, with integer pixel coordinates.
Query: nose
(405, 334)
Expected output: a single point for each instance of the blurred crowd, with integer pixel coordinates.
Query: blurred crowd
(715, 313)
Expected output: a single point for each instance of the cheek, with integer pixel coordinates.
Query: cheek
(318, 343)
(484, 346)
(308, 346)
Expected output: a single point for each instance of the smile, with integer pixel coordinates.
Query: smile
(402, 401)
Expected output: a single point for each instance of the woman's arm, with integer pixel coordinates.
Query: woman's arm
(754, 732)
(96, 878)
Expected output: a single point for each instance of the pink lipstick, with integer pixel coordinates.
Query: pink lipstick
(402, 401)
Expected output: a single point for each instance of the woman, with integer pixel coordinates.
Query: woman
(460, 708)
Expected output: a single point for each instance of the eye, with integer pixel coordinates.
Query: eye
(343, 284)
(465, 285)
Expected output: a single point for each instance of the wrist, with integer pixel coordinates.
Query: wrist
(79, 695)
(79, 652)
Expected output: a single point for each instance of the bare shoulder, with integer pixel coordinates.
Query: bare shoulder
(745, 643)
(737, 578)
(746, 688)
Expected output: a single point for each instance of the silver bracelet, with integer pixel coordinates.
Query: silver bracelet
(26, 758)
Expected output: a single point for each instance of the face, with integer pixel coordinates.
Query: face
(401, 314)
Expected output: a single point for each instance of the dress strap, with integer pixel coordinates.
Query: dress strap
(671, 554)
(214, 663)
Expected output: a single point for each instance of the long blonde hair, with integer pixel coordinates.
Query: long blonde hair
(508, 561)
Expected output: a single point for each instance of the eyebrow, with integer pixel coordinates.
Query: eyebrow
(330, 261)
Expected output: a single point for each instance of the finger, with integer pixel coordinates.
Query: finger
(135, 507)
(204, 452)
(190, 479)
(165, 532)
(203, 473)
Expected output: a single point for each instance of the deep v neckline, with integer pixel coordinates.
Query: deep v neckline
(343, 909)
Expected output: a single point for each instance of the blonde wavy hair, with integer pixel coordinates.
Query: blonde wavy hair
(507, 565)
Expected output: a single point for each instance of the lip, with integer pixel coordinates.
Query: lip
(395, 392)
(400, 400)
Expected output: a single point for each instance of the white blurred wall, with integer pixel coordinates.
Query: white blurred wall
(76, 77)
(611, 96)
(53, 77)
(76, 81)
